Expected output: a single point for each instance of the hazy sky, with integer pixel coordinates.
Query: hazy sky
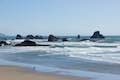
(60, 17)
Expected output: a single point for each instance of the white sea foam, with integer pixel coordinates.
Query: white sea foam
(103, 52)
(93, 51)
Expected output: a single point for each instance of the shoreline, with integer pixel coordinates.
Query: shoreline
(85, 75)
(21, 73)
(39, 69)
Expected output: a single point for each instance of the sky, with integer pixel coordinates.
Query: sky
(59, 17)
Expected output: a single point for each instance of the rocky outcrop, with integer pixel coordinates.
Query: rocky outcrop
(27, 43)
(34, 37)
(64, 39)
(38, 37)
(78, 37)
(97, 35)
(19, 36)
(3, 43)
(30, 43)
(52, 38)
(29, 37)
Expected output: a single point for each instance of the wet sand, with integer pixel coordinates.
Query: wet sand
(19, 73)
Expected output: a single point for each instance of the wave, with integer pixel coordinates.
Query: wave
(107, 52)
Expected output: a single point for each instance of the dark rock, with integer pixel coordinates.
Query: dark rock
(78, 36)
(19, 36)
(52, 38)
(38, 37)
(97, 35)
(27, 43)
(64, 39)
(29, 37)
(30, 43)
(3, 43)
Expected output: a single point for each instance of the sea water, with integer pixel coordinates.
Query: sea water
(97, 57)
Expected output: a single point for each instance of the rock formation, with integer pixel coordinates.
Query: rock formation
(27, 43)
(38, 37)
(52, 38)
(64, 39)
(78, 36)
(19, 36)
(97, 35)
(30, 43)
(3, 43)
(29, 37)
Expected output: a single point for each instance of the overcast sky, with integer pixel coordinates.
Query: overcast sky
(59, 17)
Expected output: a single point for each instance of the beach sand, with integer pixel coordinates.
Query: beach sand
(18, 73)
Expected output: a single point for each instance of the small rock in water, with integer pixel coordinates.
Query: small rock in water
(19, 36)
(29, 37)
(3, 43)
(78, 36)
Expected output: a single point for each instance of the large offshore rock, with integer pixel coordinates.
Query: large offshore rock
(30, 43)
(52, 38)
(27, 43)
(97, 35)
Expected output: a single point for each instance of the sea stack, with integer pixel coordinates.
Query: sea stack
(52, 38)
(97, 35)
(29, 37)
(19, 36)
(78, 37)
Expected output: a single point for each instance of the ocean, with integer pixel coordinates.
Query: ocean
(98, 57)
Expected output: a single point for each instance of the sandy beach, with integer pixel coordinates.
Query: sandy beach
(18, 73)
